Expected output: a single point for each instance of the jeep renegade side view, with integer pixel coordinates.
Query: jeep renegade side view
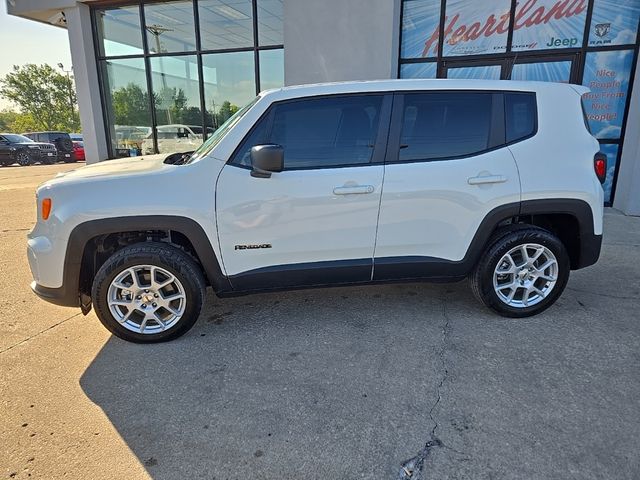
(334, 184)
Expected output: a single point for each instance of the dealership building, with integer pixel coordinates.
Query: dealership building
(159, 76)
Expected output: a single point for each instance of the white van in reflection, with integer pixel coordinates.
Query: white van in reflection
(175, 138)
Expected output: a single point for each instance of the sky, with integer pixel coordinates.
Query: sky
(26, 41)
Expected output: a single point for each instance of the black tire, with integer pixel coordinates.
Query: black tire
(48, 160)
(23, 158)
(481, 279)
(71, 159)
(167, 257)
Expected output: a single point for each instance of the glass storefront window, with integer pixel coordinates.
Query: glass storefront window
(225, 24)
(419, 70)
(484, 72)
(542, 71)
(611, 151)
(270, 29)
(472, 27)
(119, 31)
(170, 26)
(271, 69)
(607, 75)
(176, 93)
(229, 83)
(549, 24)
(127, 103)
(420, 22)
(614, 22)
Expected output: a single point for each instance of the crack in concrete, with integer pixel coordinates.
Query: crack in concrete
(15, 230)
(39, 333)
(413, 468)
(606, 295)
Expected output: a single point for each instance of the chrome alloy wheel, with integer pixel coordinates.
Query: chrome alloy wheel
(525, 275)
(23, 159)
(146, 299)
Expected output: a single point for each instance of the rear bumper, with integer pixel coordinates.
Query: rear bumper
(590, 247)
(58, 296)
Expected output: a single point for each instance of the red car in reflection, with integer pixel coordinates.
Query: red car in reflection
(78, 149)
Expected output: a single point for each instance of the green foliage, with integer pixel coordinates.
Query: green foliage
(46, 96)
(16, 122)
(131, 106)
(226, 110)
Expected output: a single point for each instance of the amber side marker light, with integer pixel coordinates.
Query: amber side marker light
(46, 208)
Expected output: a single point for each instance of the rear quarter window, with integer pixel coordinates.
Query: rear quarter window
(521, 115)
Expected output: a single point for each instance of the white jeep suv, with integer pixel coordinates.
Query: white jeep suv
(334, 184)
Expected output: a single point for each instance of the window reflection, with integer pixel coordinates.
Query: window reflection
(271, 69)
(229, 83)
(176, 94)
(170, 27)
(270, 22)
(119, 30)
(225, 24)
(192, 84)
(127, 102)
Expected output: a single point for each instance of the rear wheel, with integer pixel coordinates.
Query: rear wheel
(71, 159)
(148, 293)
(23, 158)
(523, 272)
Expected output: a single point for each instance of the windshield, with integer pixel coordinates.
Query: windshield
(219, 134)
(17, 138)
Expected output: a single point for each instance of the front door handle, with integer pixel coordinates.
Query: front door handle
(353, 189)
(484, 179)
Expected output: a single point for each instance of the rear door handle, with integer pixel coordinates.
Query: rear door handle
(353, 189)
(481, 180)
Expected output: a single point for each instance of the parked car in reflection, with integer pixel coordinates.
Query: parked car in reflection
(61, 140)
(78, 149)
(175, 138)
(24, 151)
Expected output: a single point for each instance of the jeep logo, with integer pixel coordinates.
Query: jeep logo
(562, 42)
(252, 246)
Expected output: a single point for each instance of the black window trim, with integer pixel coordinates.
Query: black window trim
(497, 130)
(379, 150)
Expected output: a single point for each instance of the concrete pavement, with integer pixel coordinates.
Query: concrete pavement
(327, 384)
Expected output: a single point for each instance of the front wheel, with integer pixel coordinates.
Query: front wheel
(523, 272)
(23, 159)
(148, 293)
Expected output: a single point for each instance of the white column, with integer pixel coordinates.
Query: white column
(627, 197)
(85, 71)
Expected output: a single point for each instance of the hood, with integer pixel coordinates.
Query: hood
(124, 167)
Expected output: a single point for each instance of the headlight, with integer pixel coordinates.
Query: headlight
(33, 146)
(12, 149)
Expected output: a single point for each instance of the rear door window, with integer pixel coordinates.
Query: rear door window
(441, 125)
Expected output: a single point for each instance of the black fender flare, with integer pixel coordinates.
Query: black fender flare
(69, 293)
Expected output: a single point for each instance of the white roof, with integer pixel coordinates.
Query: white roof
(416, 84)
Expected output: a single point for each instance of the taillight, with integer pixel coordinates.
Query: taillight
(46, 208)
(600, 166)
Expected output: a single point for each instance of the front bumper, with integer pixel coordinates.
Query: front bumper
(58, 296)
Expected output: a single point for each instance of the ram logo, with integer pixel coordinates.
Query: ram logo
(252, 246)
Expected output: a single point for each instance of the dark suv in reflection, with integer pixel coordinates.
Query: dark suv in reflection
(24, 151)
(62, 141)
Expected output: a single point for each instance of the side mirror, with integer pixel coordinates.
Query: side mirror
(266, 159)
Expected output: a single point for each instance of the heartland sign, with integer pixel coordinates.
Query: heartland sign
(528, 14)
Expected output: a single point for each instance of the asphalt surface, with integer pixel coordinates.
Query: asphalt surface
(342, 383)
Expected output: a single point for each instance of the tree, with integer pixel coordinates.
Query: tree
(226, 110)
(44, 94)
(16, 122)
(131, 106)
